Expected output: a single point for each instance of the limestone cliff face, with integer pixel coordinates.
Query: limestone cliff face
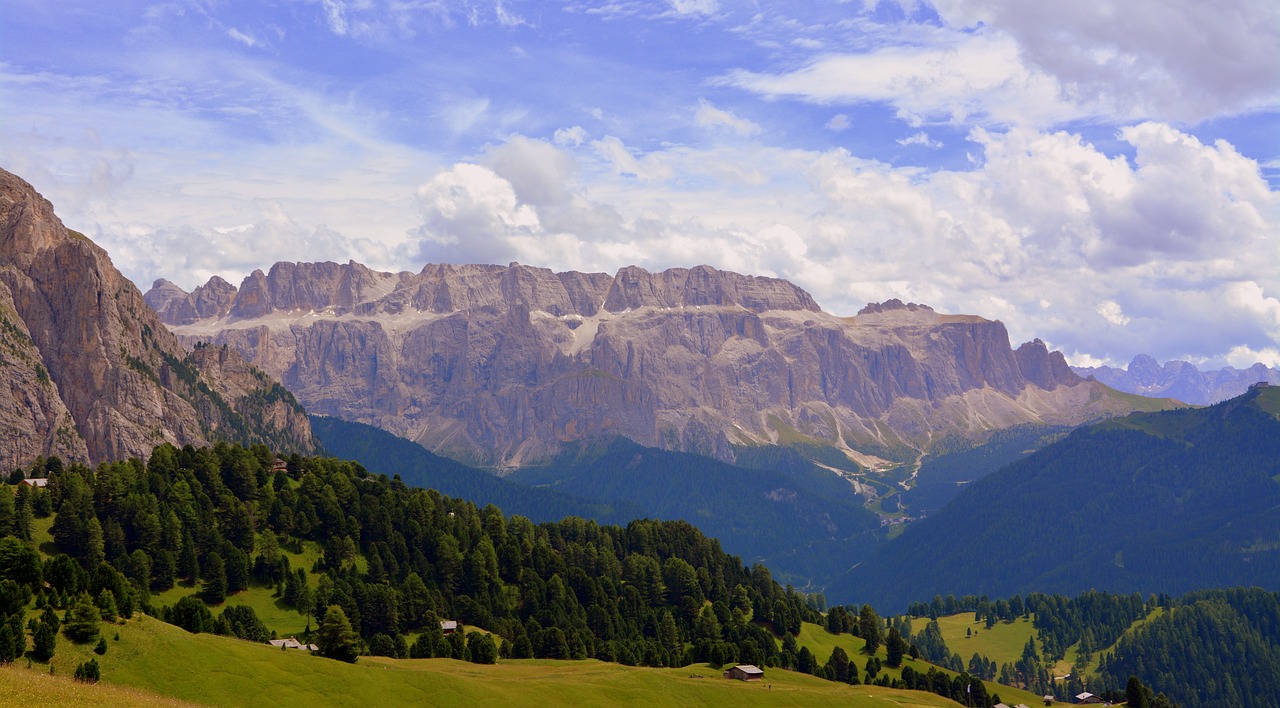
(110, 380)
(503, 365)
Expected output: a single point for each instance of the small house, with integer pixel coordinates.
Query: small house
(1087, 698)
(293, 643)
(279, 465)
(37, 482)
(1048, 700)
(448, 626)
(1001, 705)
(744, 672)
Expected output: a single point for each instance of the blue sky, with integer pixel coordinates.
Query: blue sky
(1099, 174)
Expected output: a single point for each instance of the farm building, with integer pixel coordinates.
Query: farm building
(448, 626)
(1087, 698)
(744, 672)
(293, 643)
(37, 482)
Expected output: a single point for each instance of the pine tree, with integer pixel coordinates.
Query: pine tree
(44, 641)
(336, 639)
(869, 628)
(215, 579)
(82, 620)
(894, 647)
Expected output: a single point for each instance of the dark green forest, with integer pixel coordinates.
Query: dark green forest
(801, 521)
(1153, 502)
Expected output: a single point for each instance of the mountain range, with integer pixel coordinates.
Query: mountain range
(503, 366)
(91, 374)
(1180, 379)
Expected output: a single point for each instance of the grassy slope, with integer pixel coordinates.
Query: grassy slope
(821, 643)
(1002, 643)
(159, 658)
(35, 688)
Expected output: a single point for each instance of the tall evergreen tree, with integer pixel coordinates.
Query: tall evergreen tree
(336, 639)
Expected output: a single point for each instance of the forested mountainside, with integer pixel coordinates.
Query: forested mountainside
(1208, 648)
(502, 366)
(393, 560)
(1152, 502)
(89, 373)
(803, 522)
(1180, 379)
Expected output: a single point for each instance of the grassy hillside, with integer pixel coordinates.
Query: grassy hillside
(821, 643)
(157, 658)
(36, 688)
(1002, 643)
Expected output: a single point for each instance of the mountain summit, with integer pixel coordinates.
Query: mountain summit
(90, 373)
(506, 365)
(1180, 379)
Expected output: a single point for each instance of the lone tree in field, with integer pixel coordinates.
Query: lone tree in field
(336, 639)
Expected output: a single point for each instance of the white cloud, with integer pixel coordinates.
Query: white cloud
(1111, 312)
(955, 77)
(694, 7)
(570, 137)
(470, 214)
(708, 116)
(539, 172)
(1181, 60)
(921, 138)
(649, 168)
(241, 37)
(839, 122)
(1242, 357)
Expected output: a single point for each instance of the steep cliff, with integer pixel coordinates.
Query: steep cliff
(504, 365)
(91, 374)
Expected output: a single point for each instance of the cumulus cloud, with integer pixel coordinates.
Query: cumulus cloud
(956, 77)
(1111, 312)
(838, 122)
(708, 116)
(539, 172)
(1182, 60)
(470, 214)
(921, 138)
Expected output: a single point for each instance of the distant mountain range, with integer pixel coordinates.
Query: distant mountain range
(1180, 379)
(88, 372)
(505, 366)
(1151, 502)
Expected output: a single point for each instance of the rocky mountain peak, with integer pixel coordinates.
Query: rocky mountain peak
(634, 288)
(504, 365)
(109, 379)
(891, 305)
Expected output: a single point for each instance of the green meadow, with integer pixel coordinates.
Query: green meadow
(152, 662)
(821, 643)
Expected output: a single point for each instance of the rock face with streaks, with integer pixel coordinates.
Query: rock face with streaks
(504, 365)
(87, 370)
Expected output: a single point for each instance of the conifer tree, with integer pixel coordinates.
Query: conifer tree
(336, 639)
